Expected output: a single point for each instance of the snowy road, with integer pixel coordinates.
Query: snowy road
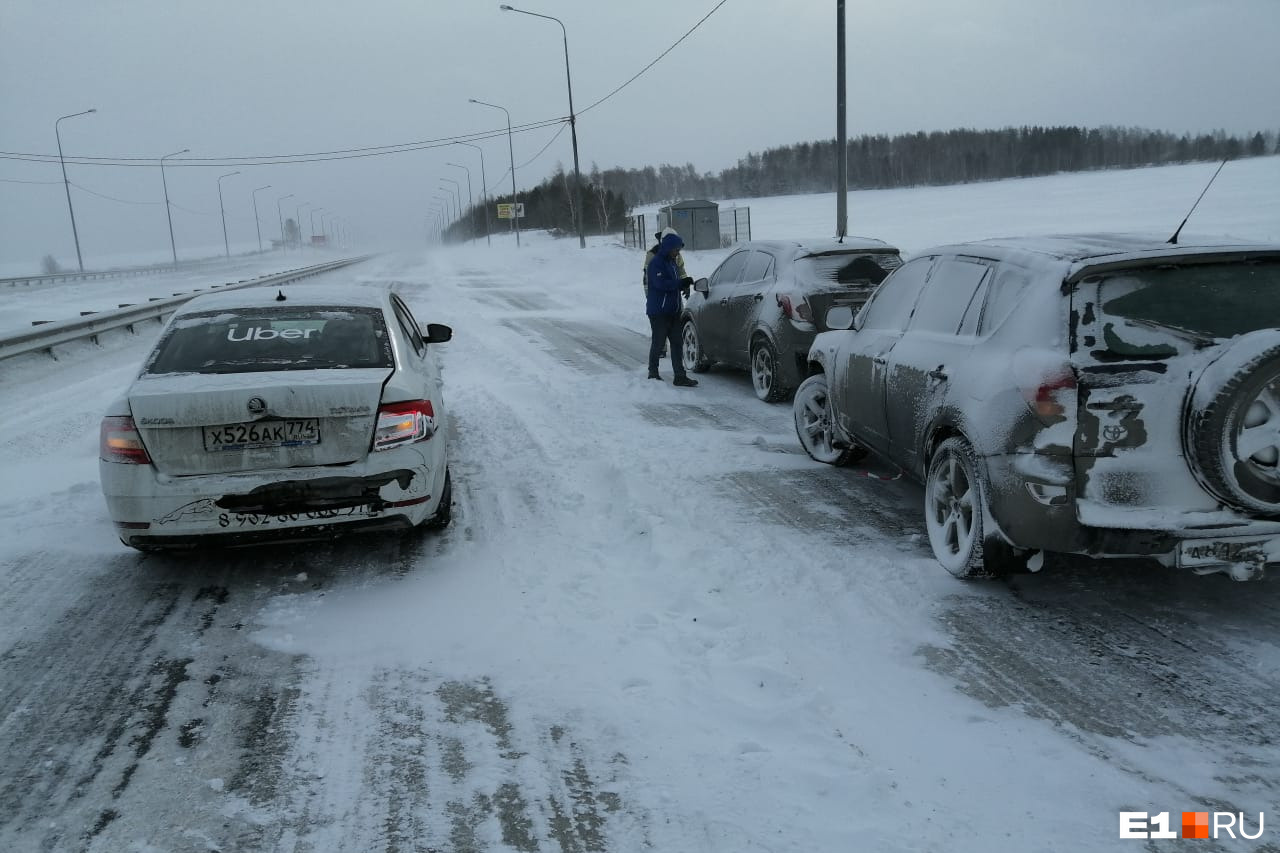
(653, 625)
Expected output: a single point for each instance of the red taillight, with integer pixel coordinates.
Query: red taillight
(120, 442)
(404, 423)
(797, 310)
(1048, 396)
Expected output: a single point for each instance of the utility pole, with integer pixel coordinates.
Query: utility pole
(842, 152)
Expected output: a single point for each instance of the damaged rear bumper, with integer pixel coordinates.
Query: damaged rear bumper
(152, 511)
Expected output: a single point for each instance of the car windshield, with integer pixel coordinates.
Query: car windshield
(1202, 301)
(253, 340)
(857, 269)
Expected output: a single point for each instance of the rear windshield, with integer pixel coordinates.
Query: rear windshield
(253, 340)
(1196, 302)
(865, 269)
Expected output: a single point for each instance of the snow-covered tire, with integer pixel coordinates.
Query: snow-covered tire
(1233, 425)
(812, 412)
(691, 354)
(765, 376)
(955, 514)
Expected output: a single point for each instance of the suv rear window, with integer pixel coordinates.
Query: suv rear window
(861, 268)
(254, 340)
(1198, 301)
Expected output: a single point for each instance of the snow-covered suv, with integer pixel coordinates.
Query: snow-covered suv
(1099, 394)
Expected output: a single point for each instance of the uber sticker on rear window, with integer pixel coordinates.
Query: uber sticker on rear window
(269, 333)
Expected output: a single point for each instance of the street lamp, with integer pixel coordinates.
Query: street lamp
(446, 205)
(452, 201)
(256, 221)
(471, 202)
(515, 202)
(284, 246)
(573, 122)
(226, 247)
(313, 224)
(484, 190)
(172, 245)
(67, 184)
(446, 213)
(457, 192)
(298, 221)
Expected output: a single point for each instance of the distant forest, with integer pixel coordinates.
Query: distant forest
(875, 162)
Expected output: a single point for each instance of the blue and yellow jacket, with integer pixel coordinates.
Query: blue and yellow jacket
(664, 278)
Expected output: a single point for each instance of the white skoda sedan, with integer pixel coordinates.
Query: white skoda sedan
(290, 413)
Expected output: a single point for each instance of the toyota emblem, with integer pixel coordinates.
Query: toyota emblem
(257, 405)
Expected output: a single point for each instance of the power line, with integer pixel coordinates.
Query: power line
(189, 210)
(13, 181)
(111, 198)
(655, 62)
(347, 153)
(279, 159)
(530, 160)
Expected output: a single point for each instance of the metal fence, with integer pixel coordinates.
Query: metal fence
(634, 234)
(735, 225)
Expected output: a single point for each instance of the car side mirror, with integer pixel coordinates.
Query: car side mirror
(840, 317)
(438, 333)
(702, 286)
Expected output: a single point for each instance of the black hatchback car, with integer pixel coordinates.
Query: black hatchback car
(763, 305)
(1101, 394)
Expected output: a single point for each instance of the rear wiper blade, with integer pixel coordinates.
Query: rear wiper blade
(1199, 337)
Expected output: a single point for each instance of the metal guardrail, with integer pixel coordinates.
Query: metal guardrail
(49, 335)
(123, 272)
(52, 278)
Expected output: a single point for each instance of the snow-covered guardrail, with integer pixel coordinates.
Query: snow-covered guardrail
(49, 335)
(57, 277)
(122, 272)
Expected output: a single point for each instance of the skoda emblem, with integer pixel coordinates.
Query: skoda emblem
(257, 406)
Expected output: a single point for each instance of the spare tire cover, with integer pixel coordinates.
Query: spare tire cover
(1232, 426)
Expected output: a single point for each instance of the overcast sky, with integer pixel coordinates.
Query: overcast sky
(237, 78)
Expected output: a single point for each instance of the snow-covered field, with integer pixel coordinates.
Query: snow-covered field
(732, 649)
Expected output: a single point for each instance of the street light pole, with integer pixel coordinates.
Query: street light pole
(458, 193)
(313, 224)
(446, 212)
(484, 191)
(324, 229)
(226, 246)
(298, 221)
(471, 202)
(256, 221)
(284, 246)
(67, 184)
(172, 245)
(515, 202)
(573, 123)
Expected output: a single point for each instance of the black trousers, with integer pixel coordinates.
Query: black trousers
(666, 327)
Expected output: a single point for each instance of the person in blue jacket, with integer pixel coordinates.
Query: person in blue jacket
(663, 304)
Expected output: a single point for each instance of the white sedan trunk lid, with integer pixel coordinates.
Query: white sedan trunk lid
(214, 424)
